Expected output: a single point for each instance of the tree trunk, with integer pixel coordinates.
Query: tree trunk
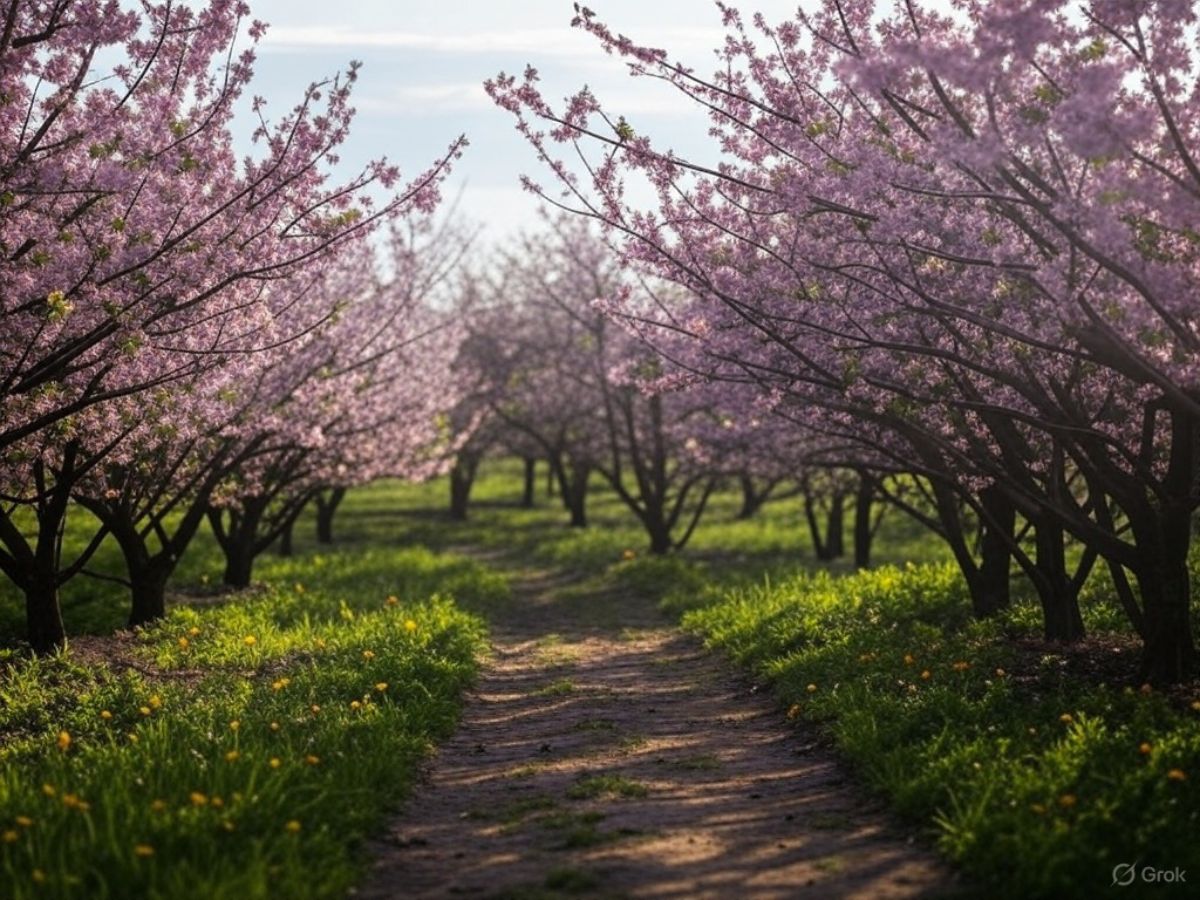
(752, 499)
(660, 540)
(43, 614)
(286, 546)
(820, 547)
(1061, 618)
(326, 507)
(575, 493)
(462, 476)
(239, 564)
(530, 482)
(148, 591)
(835, 541)
(862, 520)
(999, 523)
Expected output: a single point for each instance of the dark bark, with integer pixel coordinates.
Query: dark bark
(863, 527)
(753, 495)
(238, 539)
(326, 507)
(1057, 591)
(999, 522)
(530, 482)
(462, 477)
(43, 613)
(286, 542)
(835, 537)
(820, 547)
(575, 493)
(148, 591)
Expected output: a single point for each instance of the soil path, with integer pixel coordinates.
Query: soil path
(604, 754)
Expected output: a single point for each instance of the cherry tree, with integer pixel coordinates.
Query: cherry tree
(138, 252)
(967, 233)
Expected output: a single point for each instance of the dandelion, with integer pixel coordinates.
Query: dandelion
(64, 740)
(315, 708)
(10, 836)
(391, 601)
(299, 587)
(74, 801)
(156, 702)
(1032, 729)
(1146, 689)
(812, 688)
(228, 825)
(198, 799)
(38, 876)
(292, 827)
(158, 806)
(319, 643)
(381, 686)
(216, 802)
(410, 626)
(1067, 801)
(133, 738)
(249, 640)
(24, 821)
(184, 643)
(312, 760)
(274, 726)
(1144, 748)
(926, 674)
(234, 725)
(1177, 775)
(143, 850)
(960, 666)
(145, 710)
(194, 631)
(355, 705)
(909, 659)
(368, 654)
(275, 762)
(793, 711)
(627, 554)
(48, 790)
(1066, 718)
(277, 685)
(232, 756)
(1000, 673)
(1038, 808)
(1196, 705)
(105, 715)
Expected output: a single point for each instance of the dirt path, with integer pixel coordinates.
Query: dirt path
(603, 754)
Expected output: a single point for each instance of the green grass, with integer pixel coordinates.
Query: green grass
(245, 746)
(1035, 781)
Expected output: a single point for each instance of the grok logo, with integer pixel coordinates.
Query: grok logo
(1125, 874)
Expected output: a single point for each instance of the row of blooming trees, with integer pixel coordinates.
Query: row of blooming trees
(184, 334)
(962, 240)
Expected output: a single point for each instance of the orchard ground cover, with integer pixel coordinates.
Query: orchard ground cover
(244, 746)
(1034, 768)
(1023, 763)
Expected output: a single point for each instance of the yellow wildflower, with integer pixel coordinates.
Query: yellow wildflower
(292, 827)
(234, 725)
(10, 836)
(1177, 775)
(312, 759)
(105, 715)
(368, 654)
(1067, 800)
(1066, 718)
(1144, 748)
(24, 821)
(198, 799)
(391, 601)
(64, 740)
(158, 806)
(38, 876)
(232, 755)
(144, 710)
(249, 640)
(156, 702)
(410, 626)
(194, 631)
(183, 643)
(812, 688)
(143, 850)
(275, 762)
(48, 790)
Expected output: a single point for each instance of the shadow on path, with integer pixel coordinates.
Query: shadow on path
(604, 754)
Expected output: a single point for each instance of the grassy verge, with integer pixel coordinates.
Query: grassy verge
(245, 746)
(1036, 779)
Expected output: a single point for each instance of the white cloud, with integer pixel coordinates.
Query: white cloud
(681, 40)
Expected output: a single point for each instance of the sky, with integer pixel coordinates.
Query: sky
(424, 64)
